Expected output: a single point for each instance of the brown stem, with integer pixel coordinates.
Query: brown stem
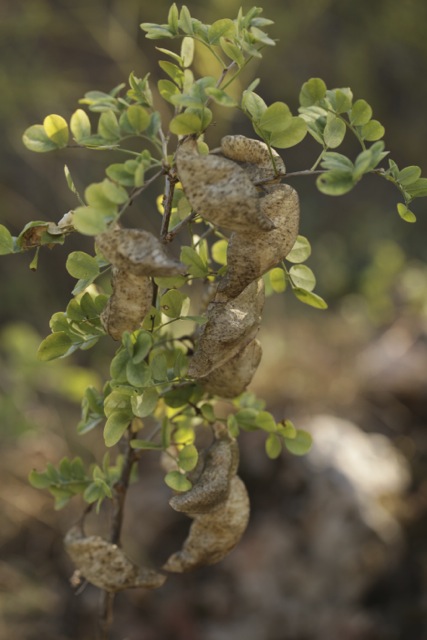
(177, 228)
(171, 180)
(119, 497)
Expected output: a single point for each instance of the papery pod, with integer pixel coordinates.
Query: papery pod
(137, 252)
(106, 566)
(231, 379)
(231, 325)
(250, 255)
(219, 190)
(253, 156)
(220, 463)
(128, 304)
(213, 535)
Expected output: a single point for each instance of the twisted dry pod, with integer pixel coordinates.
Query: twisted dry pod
(251, 254)
(219, 190)
(135, 255)
(213, 535)
(230, 327)
(218, 504)
(137, 252)
(106, 566)
(232, 378)
(213, 485)
(253, 156)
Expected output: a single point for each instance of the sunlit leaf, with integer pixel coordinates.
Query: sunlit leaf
(56, 129)
(54, 346)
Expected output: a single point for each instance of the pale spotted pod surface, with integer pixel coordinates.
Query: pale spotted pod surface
(219, 190)
(213, 535)
(250, 255)
(106, 566)
(253, 156)
(128, 304)
(137, 252)
(212, 487)
(231, 325)
(232, 378)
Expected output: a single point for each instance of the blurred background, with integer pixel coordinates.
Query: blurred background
(337, 543)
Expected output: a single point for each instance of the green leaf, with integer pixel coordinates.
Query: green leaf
(334, 132)
(340, 99)
(91, 221)
(188, 457)
(300, 251)
(273, 446)
(156, 31)
(36, 139)
(246, 419)
(159, 367)
(54, 346)
(405, 213)
(171, 303)
(187, 52)
(118, 366)
(265, 421)
(196, 266)
(115, 427)
(138, 118)
(372, 131)
(138, 375)
(108, 126)
(176, 398)
(39, 480)
(6, 241)
(333, 160)
(177, 481)
(219, 251)
(417, 189)
(119, 400)
(408, 175)
(143, 344)
(173, 18)
(170, 282)
(312, 299)
(232, 51)
(112, 192)
(223, 28)
(335, 183)
(302, 277)
(312, 92)
(185, 124)
(287, 429)
(185, 22)
(119, 173)
(145, 444)
(168, 90)
(294, 133)
(56, 129)
(360, 113)
(275, 118)
(80, 125)
(144, 404)
(277, 280)
(301, 444)
(253, 104)
(221, 97)
(80, 265)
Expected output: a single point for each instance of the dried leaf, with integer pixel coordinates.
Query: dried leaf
(251, 254)
(138, 252)
(219, 190)
(213, 535)
(106, 566)
(231, 325)
(232, 378)
(253, 156)
(212, 486)
(129, 303)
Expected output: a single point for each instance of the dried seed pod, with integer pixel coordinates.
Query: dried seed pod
(250, 255)
(106, 566)
(253, 156)
(231, 325)
(213, 535)
(128, 304)
(137, 252)
(219, 190)
(232, 378)
(213, 485)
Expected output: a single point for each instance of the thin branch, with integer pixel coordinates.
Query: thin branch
(177, 228)
(137, 192)
(171, 180)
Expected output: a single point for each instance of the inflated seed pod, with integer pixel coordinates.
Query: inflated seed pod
(213, 535)
(231, 325)
(219, 190)
(105, 565)
(231, 379)
(253, 156)
(250, 254)
(137, 252)
(128, 304)
(213, 485)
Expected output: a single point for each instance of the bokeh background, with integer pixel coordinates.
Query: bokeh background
(336, 546)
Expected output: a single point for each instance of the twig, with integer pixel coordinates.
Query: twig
(120, 491)
(139, 190)
(171, 180)
(177, 228)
